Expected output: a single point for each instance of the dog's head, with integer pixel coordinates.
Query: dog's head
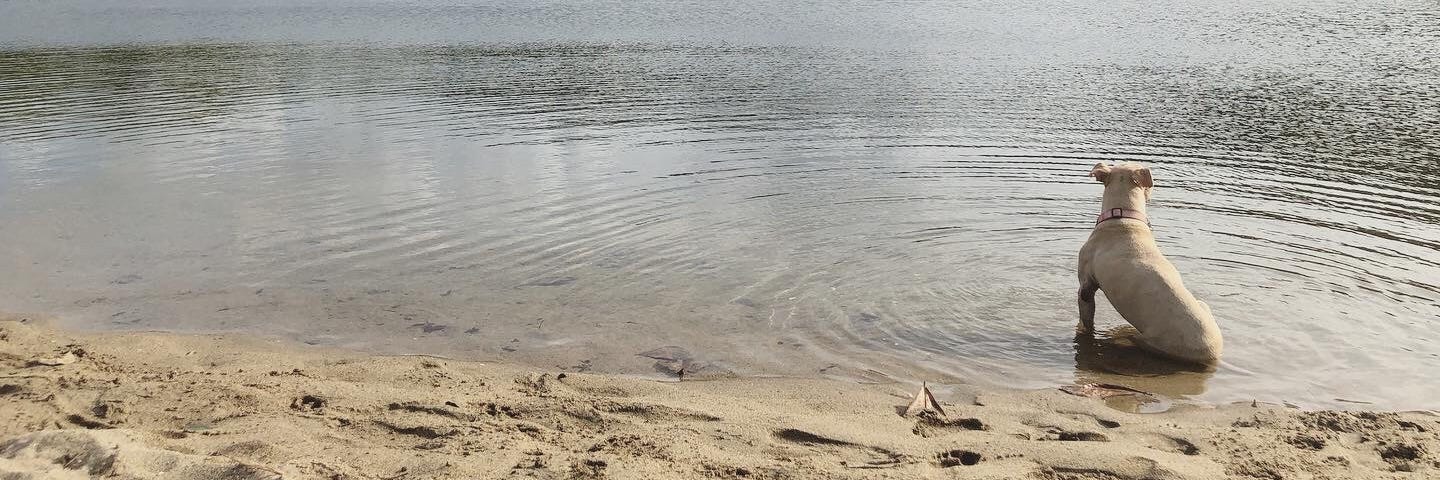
(1125, 175)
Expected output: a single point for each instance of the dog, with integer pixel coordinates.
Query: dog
(1121, 259)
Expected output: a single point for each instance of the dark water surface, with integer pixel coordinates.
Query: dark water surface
(865, 189)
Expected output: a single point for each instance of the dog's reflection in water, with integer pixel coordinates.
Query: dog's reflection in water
(1113, 357)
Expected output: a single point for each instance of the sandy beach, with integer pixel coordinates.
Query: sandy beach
(164, 405)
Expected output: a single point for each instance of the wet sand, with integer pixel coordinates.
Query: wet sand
(164, 405)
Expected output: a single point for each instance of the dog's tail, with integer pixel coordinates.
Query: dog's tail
(1224, 365)
(1230, 367)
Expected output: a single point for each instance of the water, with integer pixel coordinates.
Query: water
(867, 190)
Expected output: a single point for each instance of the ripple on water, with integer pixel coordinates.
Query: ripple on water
(876, 214)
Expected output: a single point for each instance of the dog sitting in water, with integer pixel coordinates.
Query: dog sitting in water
(1122, 259)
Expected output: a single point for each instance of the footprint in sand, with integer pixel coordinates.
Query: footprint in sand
(955, 458)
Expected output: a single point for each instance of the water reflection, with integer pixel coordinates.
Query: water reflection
(802, 205)
(1113, 357)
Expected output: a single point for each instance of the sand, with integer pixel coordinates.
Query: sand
(164, 405)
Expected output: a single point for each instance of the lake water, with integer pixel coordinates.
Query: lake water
(871, 190)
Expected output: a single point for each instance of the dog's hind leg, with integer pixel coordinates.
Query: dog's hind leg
(1086, 300)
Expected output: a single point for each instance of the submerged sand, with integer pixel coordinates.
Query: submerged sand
(161, 405)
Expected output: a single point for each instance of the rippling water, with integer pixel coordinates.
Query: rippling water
(866, 189)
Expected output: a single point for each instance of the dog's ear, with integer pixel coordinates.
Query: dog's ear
(1101, 172)
(1142, 178)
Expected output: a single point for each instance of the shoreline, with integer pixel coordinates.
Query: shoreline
(1110, 359)
(230, 406)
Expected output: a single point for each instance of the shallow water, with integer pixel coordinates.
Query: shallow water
(869, 190)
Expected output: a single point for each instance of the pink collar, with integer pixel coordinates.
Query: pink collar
(1115, 213)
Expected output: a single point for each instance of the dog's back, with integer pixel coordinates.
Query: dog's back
(1147, 291)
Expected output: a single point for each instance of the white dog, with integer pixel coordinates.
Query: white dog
(1122, 259)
